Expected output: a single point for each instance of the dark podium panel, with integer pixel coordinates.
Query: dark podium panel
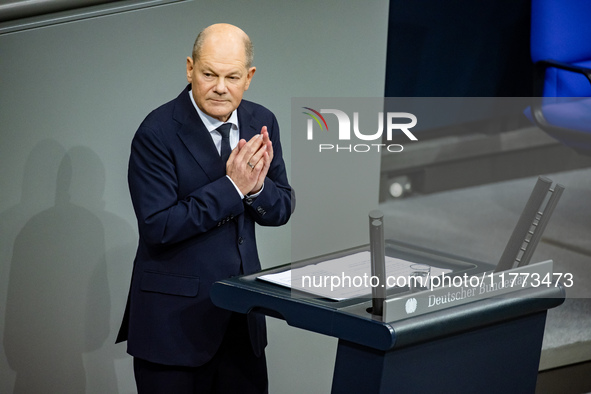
(487, 346)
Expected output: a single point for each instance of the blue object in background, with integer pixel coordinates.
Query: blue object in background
(561, 52)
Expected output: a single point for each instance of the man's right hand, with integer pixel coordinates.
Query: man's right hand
(248, 163)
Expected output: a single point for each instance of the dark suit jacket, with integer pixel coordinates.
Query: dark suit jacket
(193, 230)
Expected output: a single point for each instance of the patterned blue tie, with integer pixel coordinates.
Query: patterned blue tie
(224, 130)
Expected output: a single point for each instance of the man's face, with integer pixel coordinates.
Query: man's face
(219, 77)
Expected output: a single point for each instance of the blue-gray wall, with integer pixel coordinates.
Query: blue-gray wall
(71, 98)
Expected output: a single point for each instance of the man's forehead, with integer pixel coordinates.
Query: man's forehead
(222, 53)
(227, 45)
(235, 66)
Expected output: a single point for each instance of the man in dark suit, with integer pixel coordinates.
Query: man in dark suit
(196, 214)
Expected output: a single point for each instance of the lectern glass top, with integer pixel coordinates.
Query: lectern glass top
(318, 289)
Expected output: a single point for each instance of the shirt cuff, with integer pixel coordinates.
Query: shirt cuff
(236, 187)
(249, 197)
(255, 195)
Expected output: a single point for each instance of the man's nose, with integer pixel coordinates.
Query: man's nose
(220, 86)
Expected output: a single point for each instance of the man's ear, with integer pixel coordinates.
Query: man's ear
(190, 66)
(249, 76)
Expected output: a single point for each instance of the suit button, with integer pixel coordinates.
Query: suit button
(240, 240)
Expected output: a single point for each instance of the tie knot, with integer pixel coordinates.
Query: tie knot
(224, 130)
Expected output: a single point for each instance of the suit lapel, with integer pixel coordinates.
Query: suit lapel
(197, 139)
(248, 125)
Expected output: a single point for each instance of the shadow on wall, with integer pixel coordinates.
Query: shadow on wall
(58, 302)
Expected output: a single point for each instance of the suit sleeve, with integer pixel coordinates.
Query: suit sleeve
(276, 203)
(163, 217)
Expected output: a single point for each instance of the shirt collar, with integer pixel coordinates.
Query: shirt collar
(212, 123)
